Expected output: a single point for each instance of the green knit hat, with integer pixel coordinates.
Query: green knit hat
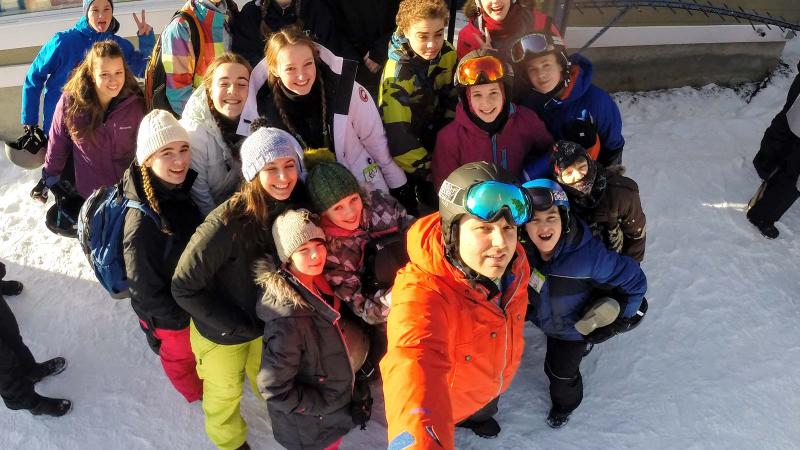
(329, 182)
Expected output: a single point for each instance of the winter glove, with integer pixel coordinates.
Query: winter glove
(582, 130)
(361, 405)
(619, 326)
(33, 139)
(602, 313)
(39, 192)
(406, 196)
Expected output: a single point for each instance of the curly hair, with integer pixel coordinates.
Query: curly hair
(412, 11)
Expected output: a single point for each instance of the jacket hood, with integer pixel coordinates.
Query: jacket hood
(583, 80)
(82, 25)
(278, 297)
(197, 109)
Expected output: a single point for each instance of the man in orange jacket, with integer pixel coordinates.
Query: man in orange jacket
(455, 330)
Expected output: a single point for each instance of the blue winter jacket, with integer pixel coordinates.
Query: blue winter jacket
(557, 113)
(61, 54)
(580, 264)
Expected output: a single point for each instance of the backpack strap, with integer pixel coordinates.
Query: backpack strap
(151, 214)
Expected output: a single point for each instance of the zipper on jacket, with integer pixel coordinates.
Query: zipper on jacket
(505, 343)
(494, 148)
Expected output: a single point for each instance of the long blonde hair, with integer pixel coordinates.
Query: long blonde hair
(81, 91)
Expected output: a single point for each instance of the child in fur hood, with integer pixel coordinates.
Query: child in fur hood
(313, 348)
(353, 224)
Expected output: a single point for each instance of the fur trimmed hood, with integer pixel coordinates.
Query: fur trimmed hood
(277, 297)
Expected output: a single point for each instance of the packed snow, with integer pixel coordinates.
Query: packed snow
(714, 365)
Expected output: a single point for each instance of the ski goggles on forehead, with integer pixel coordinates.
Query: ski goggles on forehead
(533, 44)
(483, 69)
(542, 196)
(489, 200)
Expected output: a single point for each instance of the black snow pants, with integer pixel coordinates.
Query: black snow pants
(562, 366)
(780, 185)
(16, 361)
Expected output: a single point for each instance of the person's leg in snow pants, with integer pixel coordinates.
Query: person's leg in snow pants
(222, 369)
(562, 366)
(16, 361)
(780, 191)
(178, 361)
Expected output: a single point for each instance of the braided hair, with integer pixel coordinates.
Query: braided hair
(152, 201)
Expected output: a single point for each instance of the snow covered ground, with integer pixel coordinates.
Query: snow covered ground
(715, 364)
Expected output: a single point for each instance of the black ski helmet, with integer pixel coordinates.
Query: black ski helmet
(453, 192)
(507, 79)
(555, 45)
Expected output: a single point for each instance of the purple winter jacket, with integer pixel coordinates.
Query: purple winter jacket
(100, 160)
(461, 142)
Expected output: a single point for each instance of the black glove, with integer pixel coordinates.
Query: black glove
(407, 197)
(621, 325)
(581, 130)
(39, 192)
(32, 139)
(361, 405)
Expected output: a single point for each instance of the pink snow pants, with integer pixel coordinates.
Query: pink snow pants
(335, 445)
(178, 362)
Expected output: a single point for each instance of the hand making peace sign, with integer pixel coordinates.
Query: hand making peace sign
(141, 25)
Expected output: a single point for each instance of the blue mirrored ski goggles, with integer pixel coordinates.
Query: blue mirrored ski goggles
(488, 200)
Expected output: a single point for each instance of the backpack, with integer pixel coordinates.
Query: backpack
(100, 227)
(155, 77)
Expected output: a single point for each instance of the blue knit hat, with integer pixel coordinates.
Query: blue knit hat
(88, 3)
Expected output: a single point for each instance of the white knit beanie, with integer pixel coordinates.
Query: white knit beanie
(158, 128)
(292, 229)
(265, 145)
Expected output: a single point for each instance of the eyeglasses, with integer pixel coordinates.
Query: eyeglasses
(544, 193)
(483, 69)
(488, 200)
(533, 44)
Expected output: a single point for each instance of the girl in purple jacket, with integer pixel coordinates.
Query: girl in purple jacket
(95, 122)
(488, 127)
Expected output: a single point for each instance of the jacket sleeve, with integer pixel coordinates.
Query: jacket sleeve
(633, 223)
(467, 40)
(369, 128)
(177, 55)
(445, 154)
(137, 59)
(394, 102)
(246, 34)
(415, 371)
(620, 272)
(609, 120)
(201, 191)
(210, 247)
(280, 363)
(47, 61)
(59, 143)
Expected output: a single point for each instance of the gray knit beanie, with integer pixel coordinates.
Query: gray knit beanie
(265, 145)
(292, 229)
(158, 128)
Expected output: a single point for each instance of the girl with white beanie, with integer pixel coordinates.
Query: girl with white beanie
(214, 279)
(154, 238)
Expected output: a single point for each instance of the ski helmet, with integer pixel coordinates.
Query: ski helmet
(453, 192)
(483, 66)
(541, 43)
(557, 197)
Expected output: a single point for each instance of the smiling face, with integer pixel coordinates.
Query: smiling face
(346, 213)
(545, 231)
(486, 248)
(544, 72)
(99, 15)
(575, 172)
(496, 9)
(309, 258)
(486, 101)
(426, 37)
(229, 87)
(279, 177)
(296, 68)
(108, 75)
(171, 162)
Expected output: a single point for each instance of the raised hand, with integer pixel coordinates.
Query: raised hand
(143, 28)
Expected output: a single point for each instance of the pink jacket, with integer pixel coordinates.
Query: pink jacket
(461, 141)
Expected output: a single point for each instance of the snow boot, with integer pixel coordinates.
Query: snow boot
(48, 368)
(54, 407)
(557, 420)
(767, 230)
(487, 429)
(604, 312)
(10, 287)
(244, 446)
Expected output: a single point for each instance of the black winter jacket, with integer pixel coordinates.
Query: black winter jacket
(306, 376)
(150, 255)
(257, 19)
(364, 26)
(779, 141)
(617, 219)
(214, 280)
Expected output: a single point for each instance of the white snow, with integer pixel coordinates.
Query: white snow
(714, 365)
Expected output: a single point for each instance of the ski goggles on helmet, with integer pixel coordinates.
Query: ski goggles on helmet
(488, 200)
(483, 69)
(544, 193)
(532, 45)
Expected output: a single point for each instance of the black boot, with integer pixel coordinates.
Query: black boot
(768, 230)
(48, 368)
(556, 419)
(55, 407)
(10, 287)
(488, 429)
(244, 446)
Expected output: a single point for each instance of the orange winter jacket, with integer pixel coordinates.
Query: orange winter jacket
(452, 349)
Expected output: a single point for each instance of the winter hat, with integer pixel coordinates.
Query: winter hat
(158, 128)
(265, 145)
(566, 153)
(329, 182)
(88, 4)
(292, 229)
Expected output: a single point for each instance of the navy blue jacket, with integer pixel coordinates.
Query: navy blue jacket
(557, 113)
(580, 264)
